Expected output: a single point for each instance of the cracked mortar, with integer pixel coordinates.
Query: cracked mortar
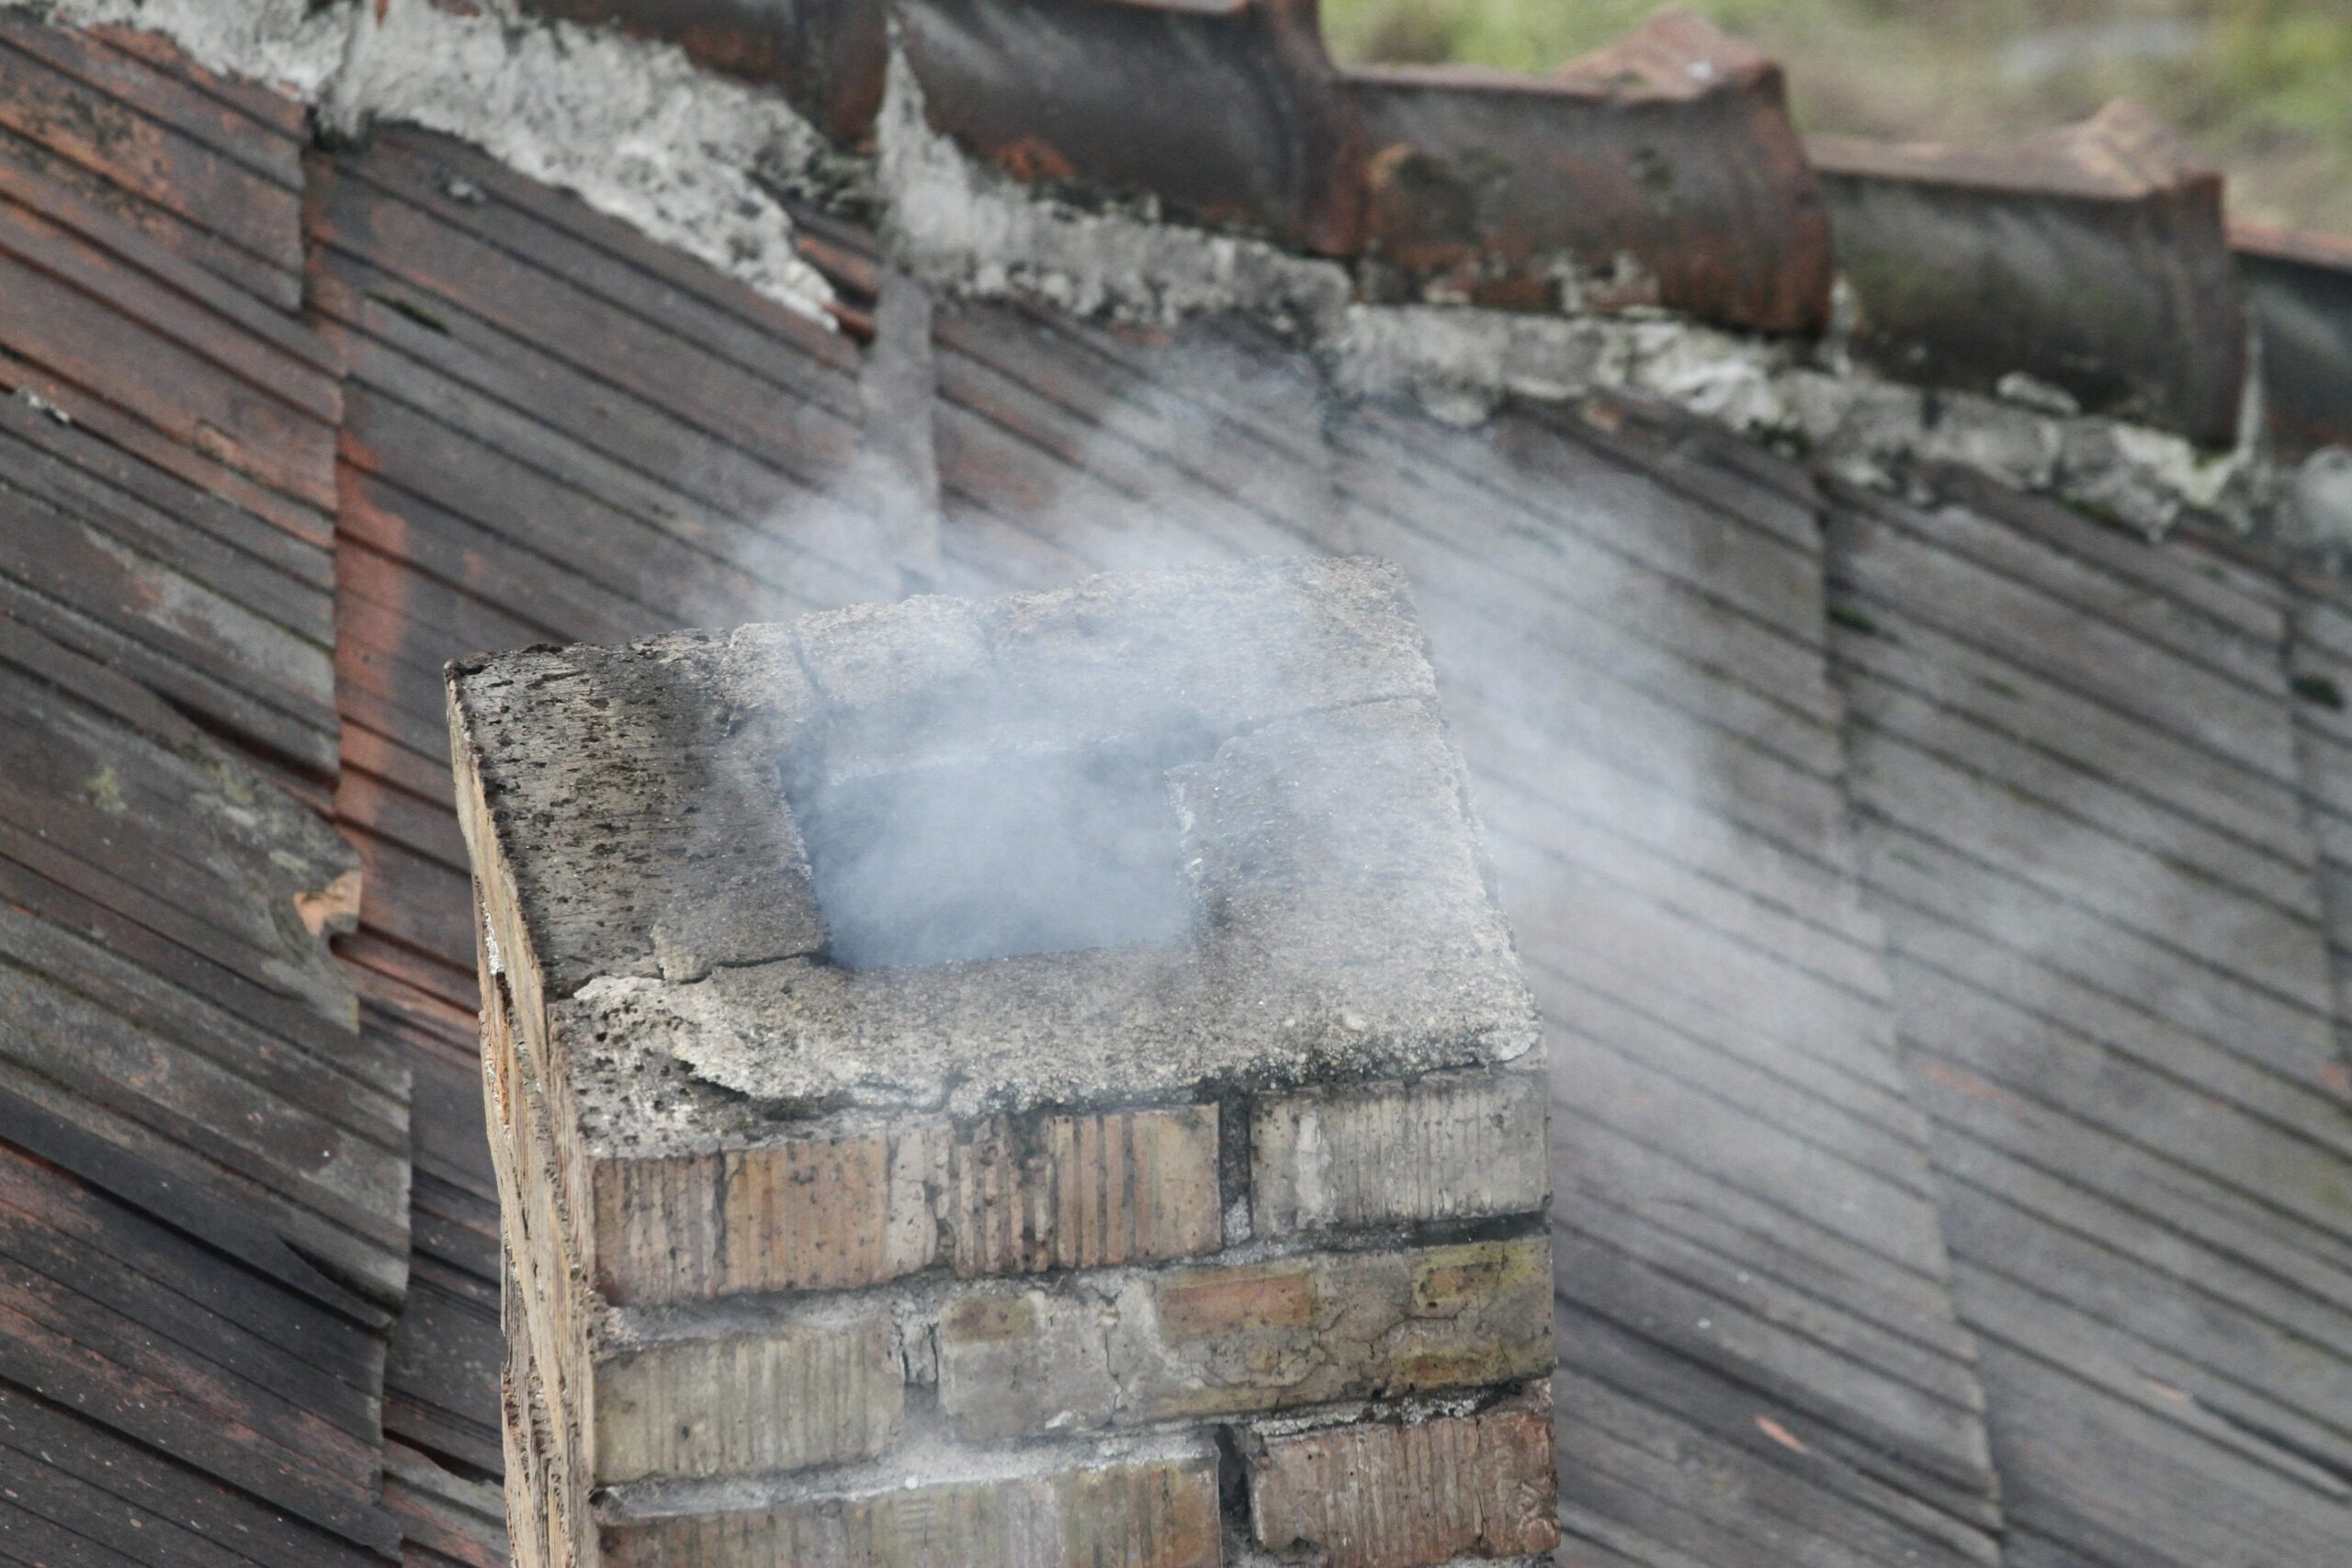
(967, 230)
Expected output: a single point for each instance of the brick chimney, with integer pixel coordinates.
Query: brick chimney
(1022, 1084)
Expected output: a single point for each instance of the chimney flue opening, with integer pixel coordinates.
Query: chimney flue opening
(1034, 853)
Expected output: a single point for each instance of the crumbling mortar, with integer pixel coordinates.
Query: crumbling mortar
(659, 1013)
(852, 1113)
(919, 1458)
(970, 231)
(1241, 1553)
(1411, 1410)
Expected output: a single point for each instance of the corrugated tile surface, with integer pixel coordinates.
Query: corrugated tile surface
(207, 169)
(2319, 668)
(1630, 619)
(203, 1163)
(2076, 756)
(445, 1521)
(173, 438)
(2076, 759)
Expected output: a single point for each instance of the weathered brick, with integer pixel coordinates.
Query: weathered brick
(1408, 1495)
(538, 1303)
(1087, 1191)
(808, 1214)
(1220, 1340)
(524, 1481)
(789, 1397)
(1149, 1513)
(1450, 1147)
(543, 1501)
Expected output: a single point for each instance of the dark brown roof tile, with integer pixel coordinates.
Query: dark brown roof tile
(2092, 259)
(1229, 112)
(1663, 170)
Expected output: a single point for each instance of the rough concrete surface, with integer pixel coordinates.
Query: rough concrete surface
(1343, 929)
(1333, 949)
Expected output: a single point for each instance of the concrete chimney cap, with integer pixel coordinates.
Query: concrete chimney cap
(670, 813)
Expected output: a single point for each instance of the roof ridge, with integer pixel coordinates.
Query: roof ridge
(2087, 271)
(1661, 170)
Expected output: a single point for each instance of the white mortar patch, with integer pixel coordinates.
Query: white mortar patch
(2321, 503)
(1460, 364)
(284, 42)
(969, 230)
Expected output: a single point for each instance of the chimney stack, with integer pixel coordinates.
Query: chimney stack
(1036, 1084)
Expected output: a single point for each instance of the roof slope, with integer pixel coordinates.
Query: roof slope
(1626, 615)
(1941, 912)
(205, 1164)
(2078, 761)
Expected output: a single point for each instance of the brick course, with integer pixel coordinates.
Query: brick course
(1008, 1196)
(796, 1395)
(1220, 1340)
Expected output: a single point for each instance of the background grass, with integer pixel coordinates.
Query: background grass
(2263, 88)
